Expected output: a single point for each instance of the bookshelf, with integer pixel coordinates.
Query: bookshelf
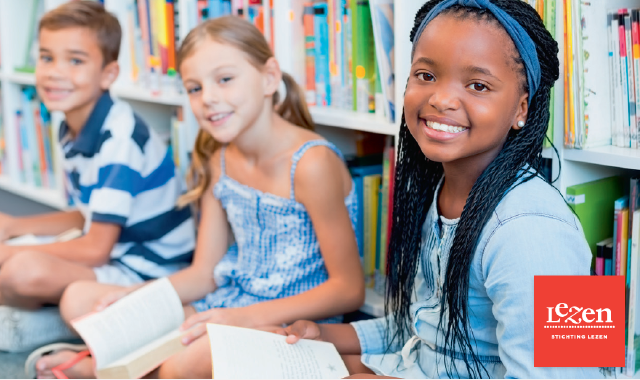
(337, 125)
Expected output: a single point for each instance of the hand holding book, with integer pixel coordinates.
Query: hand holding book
(195, 326)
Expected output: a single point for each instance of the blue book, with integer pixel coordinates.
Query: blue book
(323, 75)
(226, 7)
(358, 173)
(215, 8)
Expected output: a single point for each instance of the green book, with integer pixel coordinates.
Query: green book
(593, 203)
(353, 4)
(364, 62)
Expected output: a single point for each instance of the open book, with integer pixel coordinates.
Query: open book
(136, 334)
(37, 240)
(240, 353)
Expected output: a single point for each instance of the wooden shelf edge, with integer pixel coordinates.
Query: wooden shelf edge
(48, 197)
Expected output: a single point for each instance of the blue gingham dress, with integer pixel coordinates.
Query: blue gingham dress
(276, 253)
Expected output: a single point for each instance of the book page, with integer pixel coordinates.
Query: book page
(132, 322)
(30, 240)
(240, 353)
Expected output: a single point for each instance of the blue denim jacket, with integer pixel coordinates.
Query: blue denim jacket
(531, 232)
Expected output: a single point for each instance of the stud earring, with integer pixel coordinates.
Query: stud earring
(521, 124)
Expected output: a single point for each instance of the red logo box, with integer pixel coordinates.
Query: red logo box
(579, 321)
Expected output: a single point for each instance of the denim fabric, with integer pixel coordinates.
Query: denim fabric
(277, 253)
(531, 232)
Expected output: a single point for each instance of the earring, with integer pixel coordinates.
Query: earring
(521, 124)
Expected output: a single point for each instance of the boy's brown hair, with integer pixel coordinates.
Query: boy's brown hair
(90, 15)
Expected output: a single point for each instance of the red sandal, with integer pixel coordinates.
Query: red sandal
(80, 350)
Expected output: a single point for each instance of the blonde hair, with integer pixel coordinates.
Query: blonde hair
(90, 15)
(244, 36)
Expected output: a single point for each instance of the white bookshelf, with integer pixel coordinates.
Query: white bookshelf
(578, 166)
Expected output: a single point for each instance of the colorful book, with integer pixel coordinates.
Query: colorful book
(310, 53)
(371, 190)
(382, 25)
(358, 173)
(621, 210)
(364, 57)
(323, 75)
(633, 322)
(593, 203)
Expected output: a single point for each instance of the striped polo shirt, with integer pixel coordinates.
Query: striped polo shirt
(119, 171)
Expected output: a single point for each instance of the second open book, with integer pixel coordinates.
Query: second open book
(139, 332)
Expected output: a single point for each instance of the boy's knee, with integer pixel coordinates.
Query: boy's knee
(24, 274)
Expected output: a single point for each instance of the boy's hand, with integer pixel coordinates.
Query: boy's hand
(196, 325)
(5, 222)
(301, 330)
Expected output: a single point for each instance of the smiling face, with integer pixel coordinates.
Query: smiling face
(227, 93)
(70, 75)
(464, 92)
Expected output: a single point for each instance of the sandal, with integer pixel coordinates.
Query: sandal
(30, 365)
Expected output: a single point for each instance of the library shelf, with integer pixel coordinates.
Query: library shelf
(139, 93)
(613, 156)
(49, 197)
(335, 117)
(20, 78)
(548, 153)
(373, 303)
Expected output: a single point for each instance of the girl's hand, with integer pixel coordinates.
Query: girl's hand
(301, 330)
(112, 297)
(196, 325)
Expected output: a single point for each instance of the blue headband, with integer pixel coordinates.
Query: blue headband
(523, 42)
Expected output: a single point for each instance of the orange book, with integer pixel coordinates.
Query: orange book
(171, 37)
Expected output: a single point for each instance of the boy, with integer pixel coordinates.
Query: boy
(117, 170)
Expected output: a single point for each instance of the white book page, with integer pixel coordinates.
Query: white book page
(239, 353)
(132, 322)
(30, 240)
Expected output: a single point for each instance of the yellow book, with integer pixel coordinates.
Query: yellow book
(371, 185)
(624, 247)
(572, 110)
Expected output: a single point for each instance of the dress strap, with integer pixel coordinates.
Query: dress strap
(222, 162)
(301, 151)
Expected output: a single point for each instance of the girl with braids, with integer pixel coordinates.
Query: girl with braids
(473, 221)
(283, 190)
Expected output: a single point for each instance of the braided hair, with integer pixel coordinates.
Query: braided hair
(417, 178)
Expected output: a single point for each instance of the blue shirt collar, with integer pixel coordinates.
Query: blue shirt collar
(87, 140)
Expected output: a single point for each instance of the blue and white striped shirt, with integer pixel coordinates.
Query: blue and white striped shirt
(119, 171)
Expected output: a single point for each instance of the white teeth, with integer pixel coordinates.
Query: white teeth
(218, 116)
(444, 127)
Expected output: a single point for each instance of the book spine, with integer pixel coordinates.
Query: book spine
(364, 59)
(635, 33)
(384, 211)
(618, 82)
(625, 78)
(19, 146)
(612, 87)
(600, 260)
(624, 241)
(347, 68)
(171, 35)
(631, 85)
(310, 57)
(633, 296)
(323, 76)
(614, 271)
(145, 23)
(40, 139)
(367, 232)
